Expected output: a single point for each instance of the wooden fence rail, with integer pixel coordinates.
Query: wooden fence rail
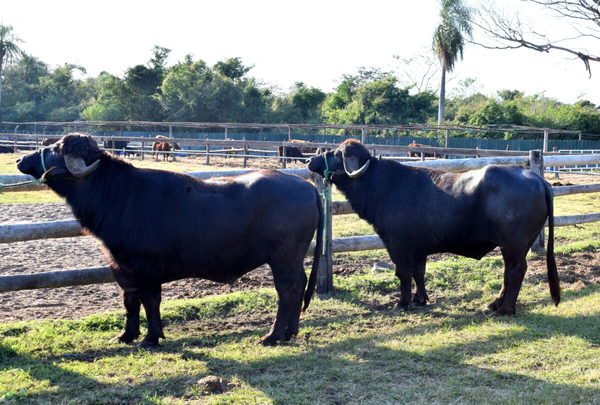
(454, 165)
(239, 144)
(98, 275)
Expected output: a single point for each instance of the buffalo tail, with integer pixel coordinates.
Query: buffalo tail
(553, 280)
(312, 279)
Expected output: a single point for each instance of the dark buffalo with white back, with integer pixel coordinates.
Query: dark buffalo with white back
(291, 154)
(159, 226)
(420, 211)
(112, 144)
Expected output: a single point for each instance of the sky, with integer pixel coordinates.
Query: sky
(310, 41)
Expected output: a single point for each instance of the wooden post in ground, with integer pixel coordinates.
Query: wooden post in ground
(363, 136)
(283, 157)
(536, 164)
(325, 272)
(446, 136)
(546, 136)
(245, 152)
(207, 150)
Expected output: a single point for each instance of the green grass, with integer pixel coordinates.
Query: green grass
(352, 348)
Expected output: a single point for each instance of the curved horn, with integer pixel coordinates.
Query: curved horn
(352, 169)
(77, 166)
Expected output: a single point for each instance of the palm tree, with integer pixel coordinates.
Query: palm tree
(8, 50)
(449, 41)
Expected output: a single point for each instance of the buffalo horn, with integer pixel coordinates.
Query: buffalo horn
(77, 166)
(352, 169)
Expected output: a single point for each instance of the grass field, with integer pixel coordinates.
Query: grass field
(353, 348)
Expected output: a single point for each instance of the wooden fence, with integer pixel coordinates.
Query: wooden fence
(247, 149)
(22, 232)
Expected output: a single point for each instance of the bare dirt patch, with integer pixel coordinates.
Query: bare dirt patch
(576, 271)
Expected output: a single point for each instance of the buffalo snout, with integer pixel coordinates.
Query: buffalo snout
(315, 163)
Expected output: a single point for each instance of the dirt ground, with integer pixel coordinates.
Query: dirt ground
(577, 271)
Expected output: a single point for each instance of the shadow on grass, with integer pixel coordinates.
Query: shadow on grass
(351, 370)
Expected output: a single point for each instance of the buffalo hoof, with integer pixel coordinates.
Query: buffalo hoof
(402, 306)
(268, 340)
(149, 343)
(420, 301)
(505, 311)
(126, 337)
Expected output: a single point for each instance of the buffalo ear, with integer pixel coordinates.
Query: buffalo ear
(79, 145)
(352, 165)
(78, 148)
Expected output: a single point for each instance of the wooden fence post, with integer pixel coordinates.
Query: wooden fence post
(325, 272)
(245, 152)
(536, 164)
(546, 136)
(207, 150)
(143, 146)
(556, 171)
(363, 136)
(283, 157)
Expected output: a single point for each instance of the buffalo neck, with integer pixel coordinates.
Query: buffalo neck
(358, 191)
(88, 195)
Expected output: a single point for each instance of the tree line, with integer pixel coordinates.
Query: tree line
(192, 90)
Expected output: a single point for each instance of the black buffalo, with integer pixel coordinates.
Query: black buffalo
(168, 226)
(118, 145)
(292, 153)
(419, 211)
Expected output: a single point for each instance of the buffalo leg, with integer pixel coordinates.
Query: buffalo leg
(151, 297)
(404, 273)
(405, 263)
(131, 300)
(420, 297)
(293, 322)
(289, 291)
(515, 266)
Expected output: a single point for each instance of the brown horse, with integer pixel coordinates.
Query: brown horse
(162, 146)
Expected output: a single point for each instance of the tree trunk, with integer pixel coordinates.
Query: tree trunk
(442, 97)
